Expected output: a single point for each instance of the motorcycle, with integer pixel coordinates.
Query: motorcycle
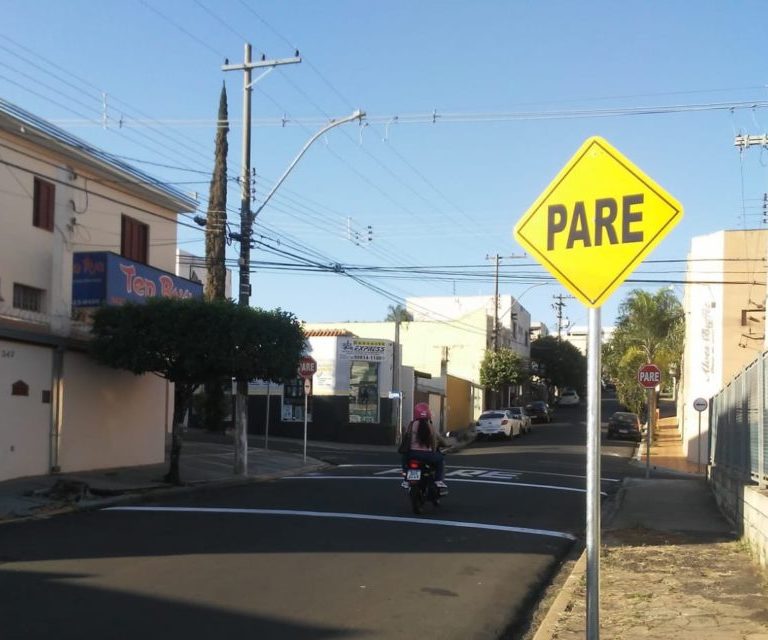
(420, 477)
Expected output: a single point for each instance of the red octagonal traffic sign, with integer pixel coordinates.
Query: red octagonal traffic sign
(649, 376)
(307, 366)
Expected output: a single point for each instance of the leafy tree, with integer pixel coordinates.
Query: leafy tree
(190, 341)
(214, 404)
(558, 363)
(500, 369)
(650, 328)
(398, 312)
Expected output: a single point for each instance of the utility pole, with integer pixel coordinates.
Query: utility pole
(246, 221)
(558, 307)
(496, 257)
(744, 142)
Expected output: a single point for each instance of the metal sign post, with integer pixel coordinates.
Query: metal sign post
(266, 423)
(307, 369)
(648, 435)
(700, 404)
(307, 391)
(649, 377)
(594, 358)
(595, 222)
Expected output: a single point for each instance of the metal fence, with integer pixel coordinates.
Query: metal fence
(738, 426)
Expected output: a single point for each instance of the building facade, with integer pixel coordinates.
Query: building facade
(447, 341)
(351, 396)
(724, 304)
(78, 225)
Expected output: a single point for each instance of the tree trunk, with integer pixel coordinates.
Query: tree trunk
(181, 398)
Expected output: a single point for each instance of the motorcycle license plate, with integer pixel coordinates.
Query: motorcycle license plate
(413, 474)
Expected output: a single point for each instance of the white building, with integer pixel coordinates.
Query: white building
(724, 322)
(578, 336)
(514, 321)
(80, 228)
(192, 267)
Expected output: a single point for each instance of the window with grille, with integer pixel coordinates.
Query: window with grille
(134, 239)
(27, 298)
(42, 204)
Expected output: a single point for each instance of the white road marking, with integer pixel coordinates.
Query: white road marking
(390, 470)
(350, 516)
(453, 480)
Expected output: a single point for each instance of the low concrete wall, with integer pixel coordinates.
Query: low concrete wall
(746, 506)
(756, 523)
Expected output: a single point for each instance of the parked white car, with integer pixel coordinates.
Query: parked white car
(498, 423)
(522, 415)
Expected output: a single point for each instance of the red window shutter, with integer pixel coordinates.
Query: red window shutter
(134, 239)
(42, 205)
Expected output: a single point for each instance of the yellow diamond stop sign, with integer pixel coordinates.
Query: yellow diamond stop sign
(597, 221)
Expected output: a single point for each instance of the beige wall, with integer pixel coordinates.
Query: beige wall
(460, 408)
(752, 246)
(24, 420)
(111, 418)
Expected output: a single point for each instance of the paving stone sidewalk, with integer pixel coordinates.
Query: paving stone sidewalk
(670, 568)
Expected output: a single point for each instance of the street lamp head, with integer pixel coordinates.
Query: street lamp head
(200, 220)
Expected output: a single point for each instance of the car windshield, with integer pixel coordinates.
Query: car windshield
(491, 416)
(630, 418)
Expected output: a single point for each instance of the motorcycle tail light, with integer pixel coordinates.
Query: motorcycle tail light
(413, 464)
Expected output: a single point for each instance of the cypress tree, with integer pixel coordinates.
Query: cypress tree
(216, 229)
(215, 400)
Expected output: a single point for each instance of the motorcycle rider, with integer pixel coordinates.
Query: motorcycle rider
(425, 444)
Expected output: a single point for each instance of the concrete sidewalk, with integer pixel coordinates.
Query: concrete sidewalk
(202, 463)
(671, 566)
(667, 450)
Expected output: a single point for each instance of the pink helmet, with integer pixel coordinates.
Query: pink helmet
(421, 410)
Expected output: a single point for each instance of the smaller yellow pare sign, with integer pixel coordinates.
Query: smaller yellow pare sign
(596, 221)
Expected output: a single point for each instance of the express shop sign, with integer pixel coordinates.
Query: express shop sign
(102, 277)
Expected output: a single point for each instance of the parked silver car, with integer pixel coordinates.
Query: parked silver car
(521, 414)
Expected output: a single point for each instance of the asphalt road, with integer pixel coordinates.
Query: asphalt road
(336, 554)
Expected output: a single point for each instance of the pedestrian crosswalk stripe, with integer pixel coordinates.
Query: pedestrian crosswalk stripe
(351, 516)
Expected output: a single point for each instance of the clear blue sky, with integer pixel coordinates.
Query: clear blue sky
(435, 194)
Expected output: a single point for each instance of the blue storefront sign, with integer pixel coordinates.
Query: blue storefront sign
(102, 277)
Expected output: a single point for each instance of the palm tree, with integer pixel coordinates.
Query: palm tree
(398, 313)
(650, 328)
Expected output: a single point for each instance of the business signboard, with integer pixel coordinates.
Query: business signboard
(102, 277)
(363, 349)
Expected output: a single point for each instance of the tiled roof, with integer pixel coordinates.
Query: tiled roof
(327, 333)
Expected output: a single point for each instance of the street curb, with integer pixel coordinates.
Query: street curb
(547, 627)
(147, 494)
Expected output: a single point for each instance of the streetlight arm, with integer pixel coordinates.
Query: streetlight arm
(357, 115)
